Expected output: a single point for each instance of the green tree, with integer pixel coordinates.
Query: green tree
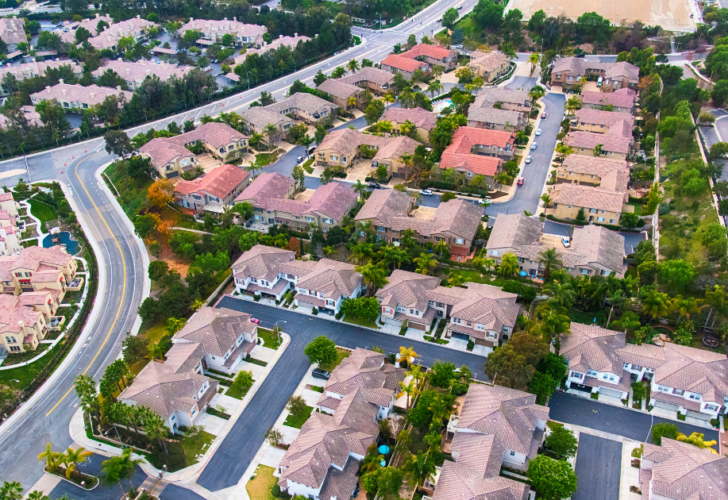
(543, 386)
(488, 14)
(449, 17)
(677, 274)
(384, 481)
(552, 479)
(420, 467)
(117, 469)
(719, 94)
(321, 350)
(72, 458)
(374, 276)
(562, 443)
(11, 491)
(663, 430)
(654, 303)
(551, 259)
(425, 262)
(52, 458)
(509, 265)
(118, 142)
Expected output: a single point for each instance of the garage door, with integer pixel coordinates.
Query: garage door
(666, 406)
(461, 336)
(417, 326)
(610, 392)
(699, 416)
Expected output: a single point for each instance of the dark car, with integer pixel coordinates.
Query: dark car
(319, 373)
(580, 56)
(299, 159)
(374, 185)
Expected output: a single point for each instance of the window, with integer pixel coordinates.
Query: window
(585, 271)
(600, 219)
(328, 221)
(513, 453)
(710, 407)
(460, 241)
(626, 365)
(577, 375)
(494, 252)
(592, 373)
(696, 397)
(612, 221)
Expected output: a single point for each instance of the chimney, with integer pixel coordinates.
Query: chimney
(21, 325)
(63, 91)
(128, 71)
(235, 18)
(48, 89)
(138, 16)
(93, 94)
(60, 81)
(118, 87)
(224, 18)
(149, 71)
(97, 15)
(192, 19)
(295, 35)
(280, 36)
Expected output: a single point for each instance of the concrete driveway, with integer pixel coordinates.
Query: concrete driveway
(598, 468)
(631, 240)
(237, 450)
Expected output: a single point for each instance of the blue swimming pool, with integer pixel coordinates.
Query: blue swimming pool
(63, 238)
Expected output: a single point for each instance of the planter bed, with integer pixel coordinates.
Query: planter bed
(91, 481)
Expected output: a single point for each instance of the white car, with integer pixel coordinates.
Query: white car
(538, 132)
(565, 241)
(534, 145)
(528, 159)
(426, 192)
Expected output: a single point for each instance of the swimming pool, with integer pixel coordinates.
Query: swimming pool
(63, 238)
(440, 105)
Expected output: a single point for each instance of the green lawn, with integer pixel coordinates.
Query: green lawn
(264, 159)
(270, 339)
(637, 208)
(133, 192)
(236, 391)
(42, 211)
(298, 421)
(340, 355)
(155, 333)
(15, 359)
(586, 318)
(307, 165)
(184, 452)
(261, 487)
(24, 374)
(362, 322)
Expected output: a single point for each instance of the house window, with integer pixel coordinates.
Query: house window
(460, 241)
(577, 375)
(494, 252)
(592, 373)
(678, 392)
(710, 407)
(696, 397)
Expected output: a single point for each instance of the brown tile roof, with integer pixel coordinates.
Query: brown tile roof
(90, 95)
(130, 70)
(395, 148)
(599, 245)
(488, 96)
(369, 74)
(12, 312)
(289, 41)
(609, 142)
(489, 61)
(384, 204)
(622, 98)
(68, 31)
(407, 290)
(345, 142)
(511, 415)
(332, 278)
(11, 30)
(264, 187)
(584, 196)
(694, 370)
(259, 117)
(459, 153)
(514, 230)
(650, 356)
(685, 472)
(366, 371)
(261, 262)
(403, 63)
(494, 116)
(434, 51)
(591, 347)
(489, 306)
(111, 35)
(341, 483)
(34, 257)
(599, 117)
(460, 482)
(162, 151)
(481, 452)
(623, 69)
(220, 182)
(302, 101)
(421, 118)
(216, 329)
(338, 88)
(613, 174)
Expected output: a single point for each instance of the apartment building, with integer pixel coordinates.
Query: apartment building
(211, 31)
(489, 65)
(28, 113)
(323, 461)
(68, 31)
(37, 268)
(423, 120)
(271, 195)
(342, 93)
(33, 69)
(500, 109)
(257, 118)
(171, 156)
(135, 27)
(433, 55)
(405, 66)
(134, 73)
(22, 326)
(177, 388)
(9, 231)
(476, 151)
(612, 175)
(212, 191)
(376, 80)
(76, 97)
(455, 222)
(300, 106)
(620, 101)
(568, 71)
(12, 32)
(593, 250)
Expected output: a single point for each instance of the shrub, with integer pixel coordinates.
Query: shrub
(314, 311)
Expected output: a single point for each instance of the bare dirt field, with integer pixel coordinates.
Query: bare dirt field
(671, 15)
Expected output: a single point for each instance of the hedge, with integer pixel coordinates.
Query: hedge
(426, 183)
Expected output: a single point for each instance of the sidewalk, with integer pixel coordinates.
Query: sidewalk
(77, 430)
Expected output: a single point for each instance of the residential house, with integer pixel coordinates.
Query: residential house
(612, 175)
(406, 298)
(455, 222)
(36, 68)
(323, 461)
(329, 283)
(268, 271)
(281, 41)
(304, 106)
(620, 101)
(135, 27)
(134, 73)
(405, 66)
(343, 146)
(67, 31)
(341, 92)
(22, 327)
(375, 79)
(616, 144)
(212, 191)
(271, 197)
(476, 151)
(489, 65)
(212, 31)
(568, 71)
(500, 109)
(362, 370)
(9, 231)
(257, 118)
(26, 112)
(433, 55)
(171, 156)
(496, 427)
(8, 204)
(597, 204)
(423, 120)
(682, 471)
(37, 269)
(177, 389)
(12, 32)
(593, 250)
(77, 98)
(600, 122)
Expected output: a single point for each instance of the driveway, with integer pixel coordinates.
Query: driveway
(598, 468)
(631, 240)
(606, 418)
(527, 196)
(238, 449)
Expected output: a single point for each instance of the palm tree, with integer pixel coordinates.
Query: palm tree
(374, 276)
(366, 228)
(415, 371)
(154, 351)
(271, 131)
(441, 247)
(534, 59)
(546, 200)
(508, 265)
(196, 304)
(51, 457)
(563, 294)
(351, 101)
(388, 98)
(12, 491)
(553, 324)
(72, 458)
(174, 325)
(440, 409)
(536, 93)
(116, 469)
(420, 467)
(361, 189)
(397, 256)
(563, 150)
(688, 305)
(551, 260)
(329, 250)
(424, 263)
(410, 390)
(407, 354)
(155, 428)
(36, 495)
(573, 104)
(352, 65)
(338, 72)
(437, 71)
(361, 252)
(655, 304)
(435, 87)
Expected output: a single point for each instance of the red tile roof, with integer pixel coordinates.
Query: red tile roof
(458, 154)
(423, 49)
(220, 182)
(403, 63)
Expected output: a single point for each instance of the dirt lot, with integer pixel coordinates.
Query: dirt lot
(672, 15)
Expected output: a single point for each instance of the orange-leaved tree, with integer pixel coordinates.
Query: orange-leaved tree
(161, 192)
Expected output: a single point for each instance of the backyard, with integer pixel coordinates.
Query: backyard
(43, 211)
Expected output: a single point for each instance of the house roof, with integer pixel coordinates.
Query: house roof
(33, 258)
(384, 204)
(403, 63)
(332, 278)
(599, 245)
(514, 230)
(591, 347)
(493, 115)
(163, 150)
(216, 329)
(91, 94)
(623, 69)
(259, 117)
(288, 41)
(694, 370)
(111, 35)
(37, 68)
(266, 186)
(220, 182)
(28, 112)
(130, 70)
(11, 30)
(369, 74)
(395, 148)
(488, 61)
(223, 26)
(345, 141)
(302, 101)
(459, 153)
(261, 262)
(489, 306)
(434, 51)
(13, 312)
(338, 88)
(622, 98)
(490, 95)
(607, 118)
(588, 197)
(421, 118)
(407, 290)
(461, 482)
(611, 142)
(613, 174)
(578, 66)
(68, 31)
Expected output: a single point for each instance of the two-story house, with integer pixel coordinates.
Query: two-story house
(500, 109)
(342, 93)
(598, 204)
(38, 269)
(12, 32)
(424, 121)
(329, 283)
(134, 73)
(489, 65)
(136, 28)
(616, 144)
(620, 101)
(475, 151)
(212, 191)
(600, 122)
(568, 71)
(67, 30)
(606, 173)
(213, 31)
(304, 106)
(34, 69)
(376, 80)
(22, 325)
(77, 98)
(405, 66)
(433, 55)
(268, 271)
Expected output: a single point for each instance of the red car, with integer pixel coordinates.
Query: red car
(543, 115)
(255, 320)
(520, 183)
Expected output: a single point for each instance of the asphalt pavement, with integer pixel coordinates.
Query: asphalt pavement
(598, 468)
(631, 239)
(237, 450)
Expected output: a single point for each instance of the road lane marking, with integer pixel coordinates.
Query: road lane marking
(121, 302)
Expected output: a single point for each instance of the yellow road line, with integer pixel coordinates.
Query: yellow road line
(123, 290)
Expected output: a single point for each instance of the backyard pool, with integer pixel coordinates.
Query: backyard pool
(440, 105)
(63, 238)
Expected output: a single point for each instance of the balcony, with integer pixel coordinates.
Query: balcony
(56, 322)
(75, 285)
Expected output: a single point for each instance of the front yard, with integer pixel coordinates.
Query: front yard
(367, 323)
(340, 355)
(261, 487)
(297, 421)
(270, 339)
(43, 211)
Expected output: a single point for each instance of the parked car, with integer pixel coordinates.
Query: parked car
(534, 145)
(255, 321)
(299, 159)
(374, 185)
(439, 20)
(580, 56)
(528, 159)
(311, 150)
(426, 192)
(538, 132)
(460, 7)
(565, 241)
(520, 181)
(543, 115)
(320, 374)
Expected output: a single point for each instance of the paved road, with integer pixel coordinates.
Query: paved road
(631, 240)
(607, 418)
(240, 446)
(93, 466)
(598, 468)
